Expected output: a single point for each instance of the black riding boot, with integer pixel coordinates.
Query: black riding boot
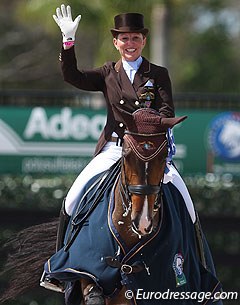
(46, 281)
(62, 227)
(94, 296)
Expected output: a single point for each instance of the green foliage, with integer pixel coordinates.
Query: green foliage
(203, 47)
(203, 41)
(216, 62)
(32, 192)
(213, 195)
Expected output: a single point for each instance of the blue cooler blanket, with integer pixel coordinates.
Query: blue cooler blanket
(167, 260)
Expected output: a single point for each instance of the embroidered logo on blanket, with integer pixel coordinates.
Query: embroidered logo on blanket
(178, 269)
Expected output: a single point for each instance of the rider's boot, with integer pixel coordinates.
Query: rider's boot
(62, 227)
(93, 295)
(51, 283)
(46, 281)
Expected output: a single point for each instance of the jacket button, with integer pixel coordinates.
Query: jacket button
(121, 125)
(136, 103)
(121, 102)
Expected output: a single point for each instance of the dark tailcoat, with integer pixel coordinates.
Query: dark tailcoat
(113, 82)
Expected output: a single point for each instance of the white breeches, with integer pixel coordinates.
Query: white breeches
(110, 154)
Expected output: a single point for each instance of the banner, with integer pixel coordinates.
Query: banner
(50, 140)
(208, 142)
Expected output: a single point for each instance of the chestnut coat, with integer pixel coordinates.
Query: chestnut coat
(112, 80)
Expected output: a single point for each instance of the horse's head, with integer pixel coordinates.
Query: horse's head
(144, 158)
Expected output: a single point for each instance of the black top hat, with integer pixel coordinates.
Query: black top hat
(129, 23)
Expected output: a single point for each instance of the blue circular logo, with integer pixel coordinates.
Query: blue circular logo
(224, 136)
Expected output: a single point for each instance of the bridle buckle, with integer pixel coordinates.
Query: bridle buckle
(127, 269)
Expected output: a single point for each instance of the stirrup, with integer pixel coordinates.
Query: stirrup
(51, 283)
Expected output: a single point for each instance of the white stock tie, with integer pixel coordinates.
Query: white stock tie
(132, 75)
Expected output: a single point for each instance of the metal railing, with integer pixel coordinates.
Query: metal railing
(78, 98)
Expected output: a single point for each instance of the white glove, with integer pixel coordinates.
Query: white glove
(67, 25)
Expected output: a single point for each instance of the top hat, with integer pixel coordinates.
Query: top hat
(129, 23)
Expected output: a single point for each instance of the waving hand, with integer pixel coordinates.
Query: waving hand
(68, 27)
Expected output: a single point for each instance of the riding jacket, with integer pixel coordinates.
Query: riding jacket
(112, 80)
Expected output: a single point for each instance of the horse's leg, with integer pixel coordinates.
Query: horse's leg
(92, 294)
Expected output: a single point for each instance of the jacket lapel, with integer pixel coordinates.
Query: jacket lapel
(127, 89)
(142, 75)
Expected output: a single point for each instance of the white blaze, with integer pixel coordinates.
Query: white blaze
(144, 221)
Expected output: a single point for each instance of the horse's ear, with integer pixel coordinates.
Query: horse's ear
(170, 122)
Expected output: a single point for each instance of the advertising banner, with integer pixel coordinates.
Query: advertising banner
(50, 140)
(208, 142)
(47, 140)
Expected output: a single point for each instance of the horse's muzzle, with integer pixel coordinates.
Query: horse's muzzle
(143, 230)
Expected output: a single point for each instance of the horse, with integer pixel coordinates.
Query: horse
(124, 233)
(137, 204)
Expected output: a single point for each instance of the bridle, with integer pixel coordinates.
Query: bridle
(127, 190)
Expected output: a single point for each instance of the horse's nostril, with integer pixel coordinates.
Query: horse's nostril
(148, 230)
(141, 231)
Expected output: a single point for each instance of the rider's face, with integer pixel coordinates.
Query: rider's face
(130, 45)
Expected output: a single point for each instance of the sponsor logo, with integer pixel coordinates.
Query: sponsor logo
(46, 133)
(224, 136)
(178, 270)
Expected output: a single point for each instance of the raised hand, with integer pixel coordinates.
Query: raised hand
(63, 19)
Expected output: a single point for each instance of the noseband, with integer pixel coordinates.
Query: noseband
(142, 189)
